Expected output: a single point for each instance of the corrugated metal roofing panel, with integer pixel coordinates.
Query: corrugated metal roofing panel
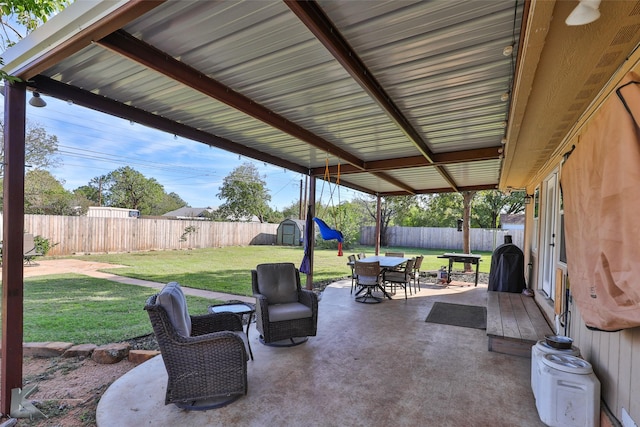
(431, 53)
(475, 173)
(267, 54)
(440, 62)
(422, 178)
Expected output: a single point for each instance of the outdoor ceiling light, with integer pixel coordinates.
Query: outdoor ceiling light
(36, 100)
(585, 12)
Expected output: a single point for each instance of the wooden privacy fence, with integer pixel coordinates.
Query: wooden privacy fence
(482, 239)
(81, 234)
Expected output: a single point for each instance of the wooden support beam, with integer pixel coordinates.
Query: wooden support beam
(312, 15)
(440, 159)
(144, 54)
(12, 249)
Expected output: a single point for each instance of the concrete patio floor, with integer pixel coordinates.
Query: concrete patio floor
(369, 365)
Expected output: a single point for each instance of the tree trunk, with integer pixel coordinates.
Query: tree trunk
(467, 197)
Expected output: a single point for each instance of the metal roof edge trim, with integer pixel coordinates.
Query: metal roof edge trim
(63, 27)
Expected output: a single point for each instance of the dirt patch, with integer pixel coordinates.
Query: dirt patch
(65, 266)
(69, 389)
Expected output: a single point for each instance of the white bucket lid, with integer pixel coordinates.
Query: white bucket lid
(546, 348)
(567, 363)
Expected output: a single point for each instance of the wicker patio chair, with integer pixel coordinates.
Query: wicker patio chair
(286, 314)
(205, 356)
(395, 254)
(368, 278)
(352, 264)
(400, 278)
(30, 251)
(416, 272)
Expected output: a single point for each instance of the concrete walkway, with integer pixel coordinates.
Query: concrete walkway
(91, 268)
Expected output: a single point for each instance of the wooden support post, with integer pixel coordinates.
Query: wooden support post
(312, 203)
(378, 222)
(12, 249)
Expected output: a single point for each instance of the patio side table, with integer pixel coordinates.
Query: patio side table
(237, 307)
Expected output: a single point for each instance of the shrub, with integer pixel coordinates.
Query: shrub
(42, 244)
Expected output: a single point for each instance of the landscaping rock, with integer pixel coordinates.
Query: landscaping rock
(80, 350)
(110, 353)
(45, 349)
(139, 356)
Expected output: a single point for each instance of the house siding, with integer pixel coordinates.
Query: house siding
(615, 356)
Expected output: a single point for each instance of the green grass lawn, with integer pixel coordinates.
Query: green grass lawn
(81, 309)
(228, 269)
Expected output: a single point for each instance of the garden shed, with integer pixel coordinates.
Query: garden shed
(290, 232)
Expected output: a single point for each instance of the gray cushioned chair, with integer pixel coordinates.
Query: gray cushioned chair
(286, 314)
(205, 356)
(400, 277)
(368, 279)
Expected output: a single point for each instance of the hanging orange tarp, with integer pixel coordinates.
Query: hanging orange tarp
(601, 189)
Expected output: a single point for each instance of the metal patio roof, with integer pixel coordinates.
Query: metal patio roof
(406, 96)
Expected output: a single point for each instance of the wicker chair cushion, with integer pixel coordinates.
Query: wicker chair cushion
(367, 280)
(277, 282)
(174, 303)
(290, 311)
(396, 276)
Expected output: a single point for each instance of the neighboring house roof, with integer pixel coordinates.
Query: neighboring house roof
(512, 221)
(252, 218)
(189, 212)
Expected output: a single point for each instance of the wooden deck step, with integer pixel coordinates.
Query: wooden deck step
(514, 323)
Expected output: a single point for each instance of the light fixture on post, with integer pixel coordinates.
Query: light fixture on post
(36, 100)
(528, 198)
(585, 12)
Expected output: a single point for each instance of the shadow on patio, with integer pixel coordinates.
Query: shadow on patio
(370, 365)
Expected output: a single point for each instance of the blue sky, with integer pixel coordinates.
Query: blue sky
(93, 144)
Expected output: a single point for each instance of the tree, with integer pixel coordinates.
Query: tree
(40, 147)
(292, 211)
(273, 216)
(126, 188)
(170, 202)
(45, 195)
(391, 208)
(129, 188)
(491, 203)
(245, 194)
(28, 15)
(90, 193)
(443, 210)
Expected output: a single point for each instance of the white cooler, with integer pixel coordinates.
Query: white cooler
(537, 353)
(568, 392)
